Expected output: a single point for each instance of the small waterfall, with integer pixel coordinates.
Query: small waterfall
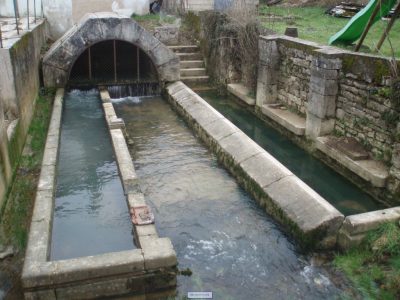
(137, 89)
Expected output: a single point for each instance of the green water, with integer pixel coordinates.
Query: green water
(90, 215)
(337, 190)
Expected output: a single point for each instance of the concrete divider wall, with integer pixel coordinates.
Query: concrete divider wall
(148, 269)
(305, 214)
(19, 86)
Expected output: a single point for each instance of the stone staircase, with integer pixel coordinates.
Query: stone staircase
(193, 72)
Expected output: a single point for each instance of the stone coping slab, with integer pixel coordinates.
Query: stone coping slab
(356, 227)
(370, 170)
(144, 270)
(242, 92)
(306, 214)
(285, 118)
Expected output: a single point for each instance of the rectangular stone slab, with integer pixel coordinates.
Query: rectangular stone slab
(303, 205)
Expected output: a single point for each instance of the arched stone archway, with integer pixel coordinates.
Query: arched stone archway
(94, 28)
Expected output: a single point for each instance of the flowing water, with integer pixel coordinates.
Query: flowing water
(233, 248)
(340, 192)
(91, 215)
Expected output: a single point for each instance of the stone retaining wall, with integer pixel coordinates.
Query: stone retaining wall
(19, 87)
(364, 109)
(294, 76)
(308, 216)
(342, 93)
(148, 269)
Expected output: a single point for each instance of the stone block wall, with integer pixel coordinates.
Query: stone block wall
(294, 70)
(337, 92)
(364, 108)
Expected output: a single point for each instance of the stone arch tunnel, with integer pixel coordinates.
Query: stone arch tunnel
(108, 48)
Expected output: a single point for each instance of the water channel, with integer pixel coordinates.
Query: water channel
(233, 248)
(340, 192)
(91, 215)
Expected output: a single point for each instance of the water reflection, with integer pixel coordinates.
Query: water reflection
(91, 215)
(340, 192)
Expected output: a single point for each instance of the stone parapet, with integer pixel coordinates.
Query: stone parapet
(339, 93)
(145, 270)
(306, 215)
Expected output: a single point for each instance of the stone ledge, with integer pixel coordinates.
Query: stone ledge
(242, 92)
(370, 170)
(84, 268)
(124, 161)
(355, 227)
(289, 199)
(285, 118)
(303, 205)
(108, 274)
(157, 252)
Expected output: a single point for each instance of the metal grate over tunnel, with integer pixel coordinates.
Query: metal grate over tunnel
(111, 62)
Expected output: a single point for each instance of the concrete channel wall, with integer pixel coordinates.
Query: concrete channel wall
(148, 269)
(306, 215)
(19, 87)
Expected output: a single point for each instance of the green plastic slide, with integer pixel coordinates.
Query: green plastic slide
(355, 27)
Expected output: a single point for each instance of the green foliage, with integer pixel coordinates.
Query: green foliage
(17, 210)
(314, 25)
(361, 122)
(374, 267)
(385, 240)
(367, 145)
(337, 133)
(153, 20)
(191, 22)
(384, 92)
(391, 117)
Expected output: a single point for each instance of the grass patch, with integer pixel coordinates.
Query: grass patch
(314, 25)
(153, 20)
(374, 267)
(16, 216)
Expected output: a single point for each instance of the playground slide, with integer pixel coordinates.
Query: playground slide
(355, 27)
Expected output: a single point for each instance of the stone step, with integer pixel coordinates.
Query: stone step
(190, 80)
(188, 64)
(190, 56)
(376, 172)
(198, 88)
(193, 72)
(241, 92)
(290, 120)
(184, 48)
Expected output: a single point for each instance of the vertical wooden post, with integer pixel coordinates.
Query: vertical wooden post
(389, 27)
(90, 63)
(369, 24)
(115, 61)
